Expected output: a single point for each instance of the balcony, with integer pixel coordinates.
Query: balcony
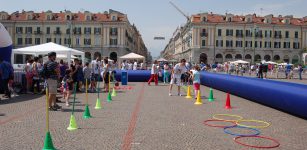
(239, 35)
(97, 33)
(38, 32)
(77, 32)
(19, 32)
(113, 33)
(259, 35)
(278, 36)
(57, 32)
(204, 34)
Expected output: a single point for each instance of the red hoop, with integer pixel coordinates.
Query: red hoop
(253, 146)
(218, 126)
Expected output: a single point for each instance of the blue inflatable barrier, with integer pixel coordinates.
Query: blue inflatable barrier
(284, 96)
(134, 75)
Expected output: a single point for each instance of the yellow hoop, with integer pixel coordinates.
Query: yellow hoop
(228, 115)
(258, 121)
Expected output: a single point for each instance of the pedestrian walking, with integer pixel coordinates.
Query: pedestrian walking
(154, 73)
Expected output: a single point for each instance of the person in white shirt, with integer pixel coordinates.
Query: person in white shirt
(124, 65)
(154, 73)
(129, 66)
(135, 65)
(142, 66)
(178, 70)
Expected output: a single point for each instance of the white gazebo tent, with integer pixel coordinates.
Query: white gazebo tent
(162, 60)
(43, 49)
(240, 62)
(132, 56)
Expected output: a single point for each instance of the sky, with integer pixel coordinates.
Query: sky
(158, 17)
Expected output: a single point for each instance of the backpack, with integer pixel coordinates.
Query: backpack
(43, 72)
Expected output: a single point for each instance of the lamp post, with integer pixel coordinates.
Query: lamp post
(255, 29)
(69, 41)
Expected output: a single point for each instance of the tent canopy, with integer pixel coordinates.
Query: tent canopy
(46, 48)
(132, 56)
(161, 59)
(240, 62)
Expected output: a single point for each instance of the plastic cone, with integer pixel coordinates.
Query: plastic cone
(87, 113)
(72, 123)
(198, 99)
(114, 92)
(210, 99)
(227, 105)
(98, 104)
(48, 145)
(109, 99)
(188, 93)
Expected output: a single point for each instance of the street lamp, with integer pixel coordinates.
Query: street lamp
(255, 29)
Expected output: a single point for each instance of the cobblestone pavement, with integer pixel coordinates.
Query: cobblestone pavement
(143, 118)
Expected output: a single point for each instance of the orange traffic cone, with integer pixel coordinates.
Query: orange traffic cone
(227, 105)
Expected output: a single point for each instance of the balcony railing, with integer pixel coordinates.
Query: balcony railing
(113, 33)
(38, 32)
(203, 34)
(57, 32)
(278, 36)
(239, 35)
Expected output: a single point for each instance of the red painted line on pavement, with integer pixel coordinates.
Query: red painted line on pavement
(129, 134)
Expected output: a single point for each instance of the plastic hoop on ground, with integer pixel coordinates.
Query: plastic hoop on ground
(227, 115)
(254, 146)
(219, 126)
(257, 132)
(258, 121)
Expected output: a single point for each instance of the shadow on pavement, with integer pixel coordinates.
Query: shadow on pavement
(69, 110)
(19, 98)
(2, 114)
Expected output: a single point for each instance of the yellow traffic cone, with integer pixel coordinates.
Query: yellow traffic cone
(113, 93)
(72, 123)
(198, 99)
(188, 93)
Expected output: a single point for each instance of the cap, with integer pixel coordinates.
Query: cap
(51, 54)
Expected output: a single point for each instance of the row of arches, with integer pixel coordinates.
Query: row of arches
(248, 57)
(89, 56)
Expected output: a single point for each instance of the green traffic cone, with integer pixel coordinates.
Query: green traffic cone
(87, 113)
(72, 123)
(48, 145)
(210, 99)
(109, 99)
(114, 92)
(98, 104)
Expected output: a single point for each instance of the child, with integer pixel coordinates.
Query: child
(68, 86)
(93, 82)
(196, 79)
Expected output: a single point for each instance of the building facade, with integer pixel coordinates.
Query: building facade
(211, 38)
(105, 34)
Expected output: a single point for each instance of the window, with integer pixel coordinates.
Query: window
(28, 40)
(77, 41)
(287, 34)
(19, 41)
(87, 30)
(256, 44)
(113, 41)
(260, 44)
(204, 19)
(67, 41)
(97, 30)
(68, 31)
(88, 18)
(48, 17)
(113, 31)
(18, 29)
(113, 18)
(57, 30)
(286, 44)
(219, 43)
(219, 32)
(267, 44)
(228, 43)
(296, 45)
(37, 41)
(67, 17)
(277, 34)
(77, 30)
(28, 29)
(239, 43)
(48, 40)
(296, 34)
(248, 33)
(97, 41)
(239, 33)
(54, 40)
(29, 17)
(248, 44)
(203, 43)
(276, 44)
(48, 30)
(87, 41)
(229, 32)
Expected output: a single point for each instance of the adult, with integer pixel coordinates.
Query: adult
(6, 72)
(265, 70)
(29, 75)
(288, 70)
(178, 70)
(166, 73)
(135, 65)
(106, 74)
(52, 76)
(124, 65)
(260, 71)
(154, 73)
(63, 68)
(35, 70)
(300, 70)
(87, 71)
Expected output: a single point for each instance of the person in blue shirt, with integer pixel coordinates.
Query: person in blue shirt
(288, 69)
(6, 73)
(196, 79)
